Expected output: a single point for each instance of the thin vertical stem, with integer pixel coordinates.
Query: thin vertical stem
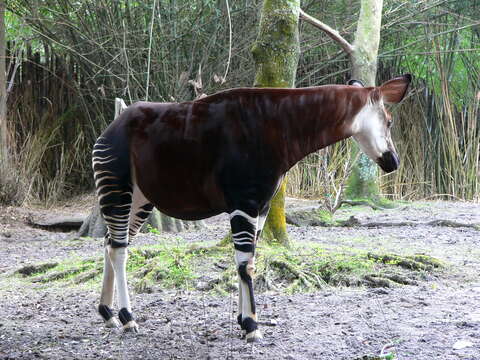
(150, 49)
(230, 42)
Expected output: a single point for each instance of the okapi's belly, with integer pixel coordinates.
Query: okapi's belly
(183, 196)
(183, 203)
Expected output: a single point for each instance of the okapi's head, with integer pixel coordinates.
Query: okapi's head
(371, 127)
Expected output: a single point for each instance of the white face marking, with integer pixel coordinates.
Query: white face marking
(370, 132)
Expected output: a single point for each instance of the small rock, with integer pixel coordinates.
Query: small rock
(462, 344)
(379, 291)
(269, 322)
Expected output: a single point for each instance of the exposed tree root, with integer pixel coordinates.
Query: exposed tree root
(57, 275)
(415, 262)
(28, 270)
(318, 217)
(278, 269)
(307, 278)
(439, 222)
(378, 281)
(60, 223)
(362, 203)
(387, 280)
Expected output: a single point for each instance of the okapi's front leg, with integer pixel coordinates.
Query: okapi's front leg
(244, 231)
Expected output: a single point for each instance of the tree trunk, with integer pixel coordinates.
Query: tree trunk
(363, 180)
(4, 163)
(276, 52)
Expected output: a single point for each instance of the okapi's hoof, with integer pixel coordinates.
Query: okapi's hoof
(112, 323)
(254, 336)
(130, 327)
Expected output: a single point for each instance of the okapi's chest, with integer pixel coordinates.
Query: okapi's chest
(189, 158)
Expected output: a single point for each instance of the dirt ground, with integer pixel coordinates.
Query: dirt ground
(439, 318)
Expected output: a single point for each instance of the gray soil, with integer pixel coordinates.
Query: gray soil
(439, 318)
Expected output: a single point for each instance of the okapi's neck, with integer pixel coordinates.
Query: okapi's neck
(313, 118)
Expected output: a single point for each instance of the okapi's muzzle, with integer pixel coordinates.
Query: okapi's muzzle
(389, 161)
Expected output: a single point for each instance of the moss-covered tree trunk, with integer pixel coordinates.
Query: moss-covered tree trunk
(276, 52)
(363, 181)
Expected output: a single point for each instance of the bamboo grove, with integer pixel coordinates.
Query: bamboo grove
(66, 64)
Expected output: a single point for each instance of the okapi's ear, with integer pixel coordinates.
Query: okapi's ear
(354, 82)
(394, 90)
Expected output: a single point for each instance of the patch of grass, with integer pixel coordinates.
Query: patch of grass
(67, 270)
(305, 267)
(169, 266)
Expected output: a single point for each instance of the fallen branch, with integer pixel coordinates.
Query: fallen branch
(362, 203)
(60, 223)
(439, 222)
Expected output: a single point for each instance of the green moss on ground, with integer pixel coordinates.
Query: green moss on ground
(305, 267)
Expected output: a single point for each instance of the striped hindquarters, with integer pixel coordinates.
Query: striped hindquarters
(114, 190)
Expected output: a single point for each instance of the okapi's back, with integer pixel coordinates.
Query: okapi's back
(184, 154)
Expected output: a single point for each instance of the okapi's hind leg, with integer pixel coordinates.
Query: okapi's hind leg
(108, 289)
(244, 232)
(114, 193)
(141, 209)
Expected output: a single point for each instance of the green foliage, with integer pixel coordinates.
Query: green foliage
(153, 230)
(15, 28)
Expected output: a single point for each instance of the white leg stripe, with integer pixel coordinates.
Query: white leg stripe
(103, 162)
(250, 219)
(243, 242)
(100, 150)
(243, 238)
(242, 233)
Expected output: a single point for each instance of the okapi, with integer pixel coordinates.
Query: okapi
(227, 152)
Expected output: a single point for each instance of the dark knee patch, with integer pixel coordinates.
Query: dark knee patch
(105, 312)
(125, 316)
(248, 248)
(249, 325)
(117, 244)
(239, 223)
(239, 321)
(242, 272)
